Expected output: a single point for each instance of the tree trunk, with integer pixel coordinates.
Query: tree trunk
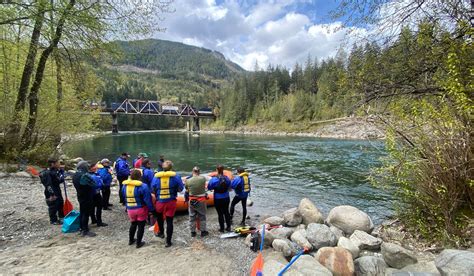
(33, 97)
(59, 81)
(13, 131)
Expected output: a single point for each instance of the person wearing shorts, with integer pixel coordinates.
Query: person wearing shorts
(166, 185)
(137, 199)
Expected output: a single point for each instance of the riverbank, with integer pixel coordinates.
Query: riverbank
(358, 128)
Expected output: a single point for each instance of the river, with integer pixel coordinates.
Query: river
(283, 169)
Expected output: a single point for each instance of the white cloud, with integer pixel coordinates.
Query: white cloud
(267, 32)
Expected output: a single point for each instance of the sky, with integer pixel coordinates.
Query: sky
(277, 32)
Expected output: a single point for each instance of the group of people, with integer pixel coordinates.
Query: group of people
(147, 195)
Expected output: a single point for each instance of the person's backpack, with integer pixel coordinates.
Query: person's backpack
(44, 177)
(255, 241)
(222, 186)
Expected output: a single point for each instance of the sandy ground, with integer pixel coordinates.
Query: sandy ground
(30, 245)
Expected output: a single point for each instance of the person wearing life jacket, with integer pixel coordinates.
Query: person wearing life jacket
(147, 172)
(123, 172)
(138, 202)
(221, 185)
(51, 178)
(165, 186)
(196, 190)
(96, 215)
(241, 186)
(84, 184)
(105, 173)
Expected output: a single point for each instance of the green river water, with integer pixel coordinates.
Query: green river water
(283, 169)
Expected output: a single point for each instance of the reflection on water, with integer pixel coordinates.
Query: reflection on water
(283, 169)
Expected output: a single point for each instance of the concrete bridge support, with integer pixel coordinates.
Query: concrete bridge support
(114, 123)
(196, 126)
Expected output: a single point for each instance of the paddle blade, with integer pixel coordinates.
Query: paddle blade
(156, 229)
(67, 207)
(257, 266)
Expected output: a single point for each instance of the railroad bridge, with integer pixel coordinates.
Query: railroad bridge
(154, 108)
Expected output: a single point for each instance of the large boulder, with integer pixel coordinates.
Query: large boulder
(319, 235)
(350, 246)
(272, 267)
(370, 266)
(397, 256)
(349, 219)
(422, 267)
(274, 221)
(365, 241)
(338, 260)
(282, 232)
(282, 246)
(299, 237)
(455, 262)
(292, 217)
(309, 212)
(268, 238)
(270, 254)
(308, 265)
(338, 232)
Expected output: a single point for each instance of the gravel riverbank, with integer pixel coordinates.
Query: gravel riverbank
(29, 244)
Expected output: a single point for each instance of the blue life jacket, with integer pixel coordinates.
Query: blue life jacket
(147, 176)
(166, 185)
(121, 167)
(241, 185)
(98, 182)
(216, 184)
(105, 174)
(136, 195)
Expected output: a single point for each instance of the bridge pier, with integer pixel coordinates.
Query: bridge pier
(114, 123)
(188, 125)
(196, 126)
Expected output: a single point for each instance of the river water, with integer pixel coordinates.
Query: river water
(283, 169)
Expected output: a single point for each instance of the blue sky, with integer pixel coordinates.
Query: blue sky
(267, 31)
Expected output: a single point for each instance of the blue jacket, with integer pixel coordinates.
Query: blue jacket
(98, 182)
(213, 184)
(147, 176)
(136, 195)
(104, 173)
(241, 185)
(121, 167)
(166, 185)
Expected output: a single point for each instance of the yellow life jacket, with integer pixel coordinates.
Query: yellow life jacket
(245, 177)
(130, 186)
(164, 177)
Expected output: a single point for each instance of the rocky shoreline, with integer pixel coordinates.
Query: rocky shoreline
(347, 243)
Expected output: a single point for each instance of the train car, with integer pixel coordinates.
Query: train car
(170, 109)
(205, 111)
(114, 106)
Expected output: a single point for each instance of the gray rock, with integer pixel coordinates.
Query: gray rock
(390, 234)
(2, 174)
(300, 227)
(22, 174)
(270, 254)
(272, 267)
(268, 238)
(274, 221)
(365, 241)
(349, 219)
(369, 266)
(282, 232)
(247, 240)
(425, 267)
(397, 256)
(338, 260)
(309, 212)
(350, 246)
(396, 272)
(292, 217)
(76, 160)
(338, 232)
(282, 246)
(309, 266)
(299, 237)
(319, 235)
(455, 262)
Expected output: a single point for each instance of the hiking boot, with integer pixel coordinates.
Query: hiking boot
(56, 222)
(242, 223)
(132, 242)
(102, 224)
(107, 209)
(193, 234)
(79, 233)
(168, 244)
(140, 244)
(110, 205)
(228, 229)
(221, 230)
(204, 233)
(88, 234)
(93, 221)
(160, 235)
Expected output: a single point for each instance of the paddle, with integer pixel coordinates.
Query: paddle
(292, 261)
(67, 206)
(257, 266)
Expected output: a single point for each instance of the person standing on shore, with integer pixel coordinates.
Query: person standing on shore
(51, 178)
(137, 163)
(105, 173)
(137, 199)
(196, 188)
(241, 186)
(165, 186)
(147, 172)
(96, 215)
(84, 184)
(221, 185)
(123, 171)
